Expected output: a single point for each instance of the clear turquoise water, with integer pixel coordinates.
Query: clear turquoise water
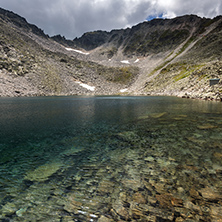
(56, 152)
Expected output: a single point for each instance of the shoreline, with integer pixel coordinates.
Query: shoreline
(183, 95)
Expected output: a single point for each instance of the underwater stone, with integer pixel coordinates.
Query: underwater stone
(72, 206)
(165, 200)
(194, 193)
(123, 196)
(206, 126)
(8, 209)
(210, 194)
(216, 212)
(160, 187)
(139, 198)
(43, 172)
(67, 219)
(104, 219)
(72, 151)
(149, 159)
(180, 189)
(20, 212)
(179, 219)
(191, 206)
(106, 186)
(137, 214)
(158, 115)
(127, 136)
(132, 184)
(122, 211)
(218, 155)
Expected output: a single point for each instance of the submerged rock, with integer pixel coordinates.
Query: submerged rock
(139, 198)
(43, 172)
(128, 136)
(210, 194)
(104, 219)
(72, 151)
(149, 159)
(194, 193)
(206, 126)
(8, 209)
(218, 155)
(21, 211)
(158, 115)
(216, 213)
(167, 200)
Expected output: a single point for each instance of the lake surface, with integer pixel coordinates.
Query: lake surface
(110, 159)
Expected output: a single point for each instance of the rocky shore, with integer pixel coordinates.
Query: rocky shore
(191, 83)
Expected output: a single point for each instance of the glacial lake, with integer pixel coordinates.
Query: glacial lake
(110, 159)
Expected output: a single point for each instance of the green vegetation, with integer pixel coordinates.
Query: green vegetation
(51, 81)
(186, 45)
(173, 67)
(160, 67)
(123, 75)
(164, 70)
(182, 68)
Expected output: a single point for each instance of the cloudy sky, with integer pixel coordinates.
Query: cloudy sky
(72, 18)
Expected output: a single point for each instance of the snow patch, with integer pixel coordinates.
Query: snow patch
(75, 50)
(123, 90)
(125, 62)
(137, 61)
(91, 88)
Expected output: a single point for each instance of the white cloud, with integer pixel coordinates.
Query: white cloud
(72, 18)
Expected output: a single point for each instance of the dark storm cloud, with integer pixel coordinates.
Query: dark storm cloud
(72, 18)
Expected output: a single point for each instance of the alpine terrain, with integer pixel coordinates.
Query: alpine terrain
(160, 57)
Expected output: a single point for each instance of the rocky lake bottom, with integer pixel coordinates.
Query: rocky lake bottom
(110, 159)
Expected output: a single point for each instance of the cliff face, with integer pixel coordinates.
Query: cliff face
(164, 56)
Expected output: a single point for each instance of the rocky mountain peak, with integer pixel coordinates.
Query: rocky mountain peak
(150, 36)
(20, 22)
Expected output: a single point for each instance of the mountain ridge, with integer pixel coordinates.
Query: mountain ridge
(157, 57)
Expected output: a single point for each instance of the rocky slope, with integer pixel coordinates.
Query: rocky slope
(164, 56)
(32, 64)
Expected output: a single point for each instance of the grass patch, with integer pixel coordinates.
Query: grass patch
(185, 71)
(168, 61)
(185, 45)
(123, 75)
(160, 67)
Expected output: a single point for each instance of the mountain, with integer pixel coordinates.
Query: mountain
(33, 64)
(160, 57)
